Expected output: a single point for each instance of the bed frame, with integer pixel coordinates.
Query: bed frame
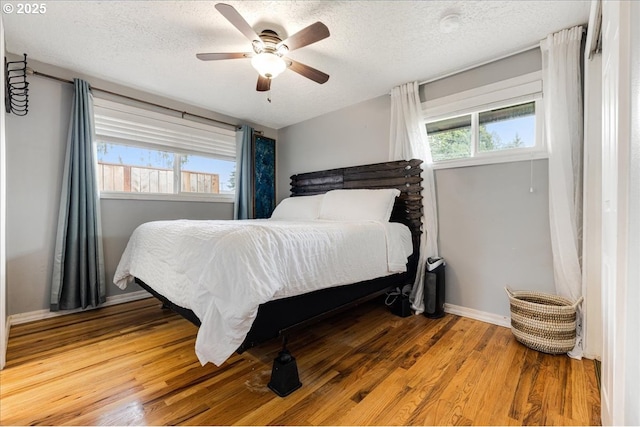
(283, 317)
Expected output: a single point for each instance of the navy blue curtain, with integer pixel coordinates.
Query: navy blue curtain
(243, 208)
(264, 179)
(78, 279)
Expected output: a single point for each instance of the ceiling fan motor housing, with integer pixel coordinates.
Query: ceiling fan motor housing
(269, 41)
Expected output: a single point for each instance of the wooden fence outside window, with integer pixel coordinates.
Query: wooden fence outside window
(139, 179)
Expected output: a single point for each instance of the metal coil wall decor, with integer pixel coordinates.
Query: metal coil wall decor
(16, 97)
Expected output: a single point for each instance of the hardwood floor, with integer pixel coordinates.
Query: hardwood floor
(135, 364)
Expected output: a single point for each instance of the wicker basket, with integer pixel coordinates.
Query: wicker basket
(543, 322)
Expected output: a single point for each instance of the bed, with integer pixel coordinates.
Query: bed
(178, 261)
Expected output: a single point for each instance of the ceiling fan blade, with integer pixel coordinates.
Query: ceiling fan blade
(237, 21)
(264, 84)
(216, 56)
(306, 36)
(308, 72)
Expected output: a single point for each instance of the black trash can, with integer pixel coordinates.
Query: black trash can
(434, 288)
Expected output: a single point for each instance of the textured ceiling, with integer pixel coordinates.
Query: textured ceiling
(374, 45)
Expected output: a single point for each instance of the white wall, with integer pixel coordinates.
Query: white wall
(493, 232)
(35, 159)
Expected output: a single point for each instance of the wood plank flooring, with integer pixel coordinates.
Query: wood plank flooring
(135, 364)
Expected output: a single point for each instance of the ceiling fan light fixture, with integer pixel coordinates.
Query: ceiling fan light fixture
(268, 64)
(269, 56)
(258, 46)
(282, 50)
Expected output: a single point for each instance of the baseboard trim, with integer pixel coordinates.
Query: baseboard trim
(7, 329)
(586, 355)
(483, 316)
(32, 316)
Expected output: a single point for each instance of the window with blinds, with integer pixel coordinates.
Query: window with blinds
(150, 155)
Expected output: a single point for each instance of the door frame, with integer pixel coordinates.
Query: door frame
(617, 213)
(4, 324)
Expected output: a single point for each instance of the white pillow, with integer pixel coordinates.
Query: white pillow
(299, 208)
(364, 205)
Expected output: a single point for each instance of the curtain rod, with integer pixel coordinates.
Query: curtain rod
(183, 113)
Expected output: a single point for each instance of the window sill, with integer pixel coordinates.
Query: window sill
(488, 160)
(206, 198)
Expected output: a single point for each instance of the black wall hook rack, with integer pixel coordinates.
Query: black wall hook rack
(16, 91)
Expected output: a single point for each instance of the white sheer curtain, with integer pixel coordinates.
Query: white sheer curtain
(408, 140)
(563, 132)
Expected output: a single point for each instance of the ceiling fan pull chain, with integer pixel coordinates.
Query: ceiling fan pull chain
(269, 95)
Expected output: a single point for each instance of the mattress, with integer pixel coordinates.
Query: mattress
(223, 270)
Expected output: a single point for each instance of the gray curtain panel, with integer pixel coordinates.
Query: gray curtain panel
(243, 208)
(78, 279)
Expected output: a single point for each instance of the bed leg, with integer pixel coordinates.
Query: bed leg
(284, 374)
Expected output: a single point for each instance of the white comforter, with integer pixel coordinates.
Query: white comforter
(222, 270)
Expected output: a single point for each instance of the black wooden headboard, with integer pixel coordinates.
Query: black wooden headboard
(402, 174)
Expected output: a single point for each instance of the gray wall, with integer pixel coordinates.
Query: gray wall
(503, 69)
(351, 136)
(35, 151)
(35, 159)
(493, 231)
(121, 217)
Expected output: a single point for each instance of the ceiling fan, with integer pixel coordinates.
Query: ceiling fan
(269, 50)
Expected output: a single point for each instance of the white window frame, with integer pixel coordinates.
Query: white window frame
(518, 90)
(127, 125)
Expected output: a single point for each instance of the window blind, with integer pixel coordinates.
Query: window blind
(127, 124)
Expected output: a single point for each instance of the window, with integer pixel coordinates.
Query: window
(478, 133)
(507, 128)
(501, 124)
(130, 169)
(142, 154)
(450, 138)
